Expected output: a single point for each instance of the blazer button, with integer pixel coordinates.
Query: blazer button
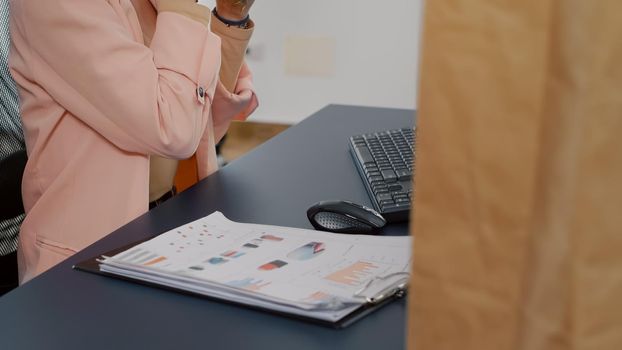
(201, 94)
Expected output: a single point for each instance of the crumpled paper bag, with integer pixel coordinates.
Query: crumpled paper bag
(518, 212)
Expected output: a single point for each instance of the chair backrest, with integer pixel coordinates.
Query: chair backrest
(11, 171)
(12, 153)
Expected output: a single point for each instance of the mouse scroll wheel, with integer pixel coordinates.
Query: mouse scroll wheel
(334, 221)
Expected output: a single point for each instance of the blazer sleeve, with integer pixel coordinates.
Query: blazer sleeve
(143, 100)
(225, 108)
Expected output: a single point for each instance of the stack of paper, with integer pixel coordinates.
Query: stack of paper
(303, 272)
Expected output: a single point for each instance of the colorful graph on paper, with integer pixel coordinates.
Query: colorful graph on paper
(354, 274)
(143, 257)
(273, 265)
(232, 254)
(318, 297)
(307, 251)
(272, 238)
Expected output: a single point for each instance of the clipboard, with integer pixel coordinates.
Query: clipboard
(372, 303)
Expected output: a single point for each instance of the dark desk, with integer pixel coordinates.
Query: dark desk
(274, 184)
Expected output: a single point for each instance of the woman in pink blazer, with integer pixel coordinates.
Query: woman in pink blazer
(104, 85)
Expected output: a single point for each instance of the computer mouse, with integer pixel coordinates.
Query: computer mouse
(345, 217)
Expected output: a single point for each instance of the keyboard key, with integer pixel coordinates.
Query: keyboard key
(403, 174)
(389, 207)
(400, 167)
(374, 179)
(395, 187)
(379, 187)
(363, 154)
(398, 195)
(383, 196)
(389, 175)
(386, 202)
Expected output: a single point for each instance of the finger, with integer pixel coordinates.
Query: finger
(244, 95)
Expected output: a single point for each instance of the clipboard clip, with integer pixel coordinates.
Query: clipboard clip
(393, 290)
(102, 259)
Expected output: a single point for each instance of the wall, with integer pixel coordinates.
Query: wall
(307, 54)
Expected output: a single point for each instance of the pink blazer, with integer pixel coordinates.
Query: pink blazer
(96, 103)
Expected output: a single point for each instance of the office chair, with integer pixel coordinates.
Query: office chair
(11, 172)
(11, 205)
(11, 164)
(12, 157)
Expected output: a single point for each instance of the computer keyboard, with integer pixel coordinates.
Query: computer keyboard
(385, 162)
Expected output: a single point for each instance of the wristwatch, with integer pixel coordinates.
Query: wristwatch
(243, 23)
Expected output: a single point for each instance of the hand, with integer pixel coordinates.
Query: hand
(226, 106)
(234, 10)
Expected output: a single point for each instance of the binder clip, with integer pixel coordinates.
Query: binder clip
(394, 290)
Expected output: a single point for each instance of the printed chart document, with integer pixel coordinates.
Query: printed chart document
(308, 273)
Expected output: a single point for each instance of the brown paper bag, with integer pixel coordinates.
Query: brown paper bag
(518, 212)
